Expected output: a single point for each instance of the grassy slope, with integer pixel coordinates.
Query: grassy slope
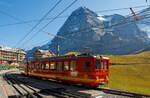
(131, 72)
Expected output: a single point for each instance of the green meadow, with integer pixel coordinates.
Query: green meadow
(130, 72)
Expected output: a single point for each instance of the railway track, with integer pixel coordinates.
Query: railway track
(62, 91)
(25, 91)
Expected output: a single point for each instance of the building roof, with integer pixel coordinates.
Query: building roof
(44, 51)
(12, 49)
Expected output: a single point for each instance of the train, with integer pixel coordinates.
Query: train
(84, 69)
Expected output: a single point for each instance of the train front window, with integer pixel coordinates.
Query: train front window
(87, 66)
(97, 64)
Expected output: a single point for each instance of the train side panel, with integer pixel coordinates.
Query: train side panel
(80, 71)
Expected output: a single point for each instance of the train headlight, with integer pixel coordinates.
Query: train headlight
(97, 77)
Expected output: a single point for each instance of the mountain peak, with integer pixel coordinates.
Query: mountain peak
(83, 10)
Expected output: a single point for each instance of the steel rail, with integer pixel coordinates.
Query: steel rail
(123, 93)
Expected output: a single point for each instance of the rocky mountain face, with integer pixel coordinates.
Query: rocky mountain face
(111, 34)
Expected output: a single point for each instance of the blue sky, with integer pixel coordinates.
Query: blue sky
(25, 10)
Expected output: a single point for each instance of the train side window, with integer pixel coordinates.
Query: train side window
(87, 66)
(47, 66)
(59, 65)
(37, 66)
(29, 66)
(66, 66)
(97, 64)
(52, 65)
(32, 66)
(102, 64)
(106, 65)
(40, 66)
(73, 66)
(43, 66)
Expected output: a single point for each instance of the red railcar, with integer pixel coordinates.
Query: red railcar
(80, 69)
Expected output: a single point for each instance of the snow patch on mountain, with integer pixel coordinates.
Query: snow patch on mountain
(101, 18)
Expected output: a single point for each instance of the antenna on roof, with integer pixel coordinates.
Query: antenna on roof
(136, 17)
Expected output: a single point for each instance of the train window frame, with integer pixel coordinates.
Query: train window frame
(59, 66)
(87, 66)
(73, 66)
(97, 64)
(66, 66)
(52, 64)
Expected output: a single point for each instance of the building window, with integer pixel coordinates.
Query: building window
(66, 66)
(52, 65)
(73, 66)
(87, 66)
(59, 65)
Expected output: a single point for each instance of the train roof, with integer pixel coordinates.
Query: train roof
(73, 56)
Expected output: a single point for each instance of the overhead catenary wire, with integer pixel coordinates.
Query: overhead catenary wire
(51, 21)
(35, 20)
(22, 39)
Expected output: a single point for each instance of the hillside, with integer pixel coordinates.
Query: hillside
(131, 72)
